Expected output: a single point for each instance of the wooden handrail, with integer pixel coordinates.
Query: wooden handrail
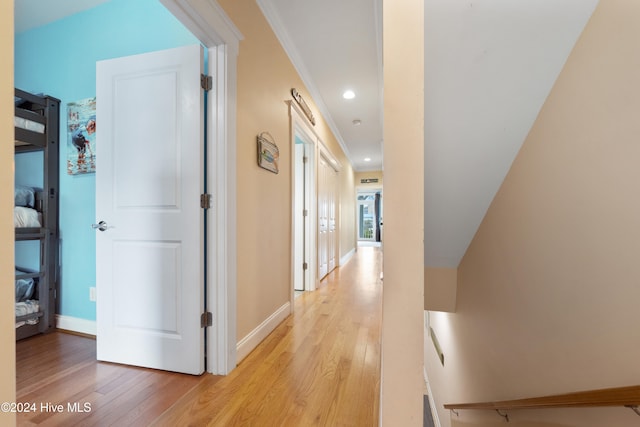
(620, 396)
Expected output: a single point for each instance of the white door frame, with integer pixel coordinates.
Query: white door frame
(302, 170)
(210, 24)
(300, 126)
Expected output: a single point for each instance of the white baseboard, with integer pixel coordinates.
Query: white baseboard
(76, 324)
(255, 337)
(347, 257)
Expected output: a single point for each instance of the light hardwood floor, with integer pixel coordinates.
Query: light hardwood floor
(321, 366)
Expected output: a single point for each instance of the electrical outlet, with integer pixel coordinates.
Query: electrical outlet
(92, 293)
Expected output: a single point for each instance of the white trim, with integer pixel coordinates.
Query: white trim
(210, 24)
(328, 155)
(207, 21)
(432, 402)
(222, 217)
(347, 257)
(255, 337)
(300, 124)
(75, 324)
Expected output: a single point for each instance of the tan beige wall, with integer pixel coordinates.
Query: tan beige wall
(265, 79)
(7, 330)
(440, 288)
(548, 290)
(363, 175)
(402, 307)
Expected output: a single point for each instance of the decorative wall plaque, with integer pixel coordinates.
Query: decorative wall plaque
(268, 152)
(305, 108)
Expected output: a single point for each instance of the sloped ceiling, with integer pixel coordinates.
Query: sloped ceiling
(489, 66)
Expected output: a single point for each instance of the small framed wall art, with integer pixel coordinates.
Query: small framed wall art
(268, 153)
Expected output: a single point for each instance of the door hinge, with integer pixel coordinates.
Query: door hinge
(305, 212)
(206, 82)
(205, 201)
(305, 266)
(305, 159)
(206, 319)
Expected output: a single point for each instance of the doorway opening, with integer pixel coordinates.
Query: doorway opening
(303, 252)
(216, 32)
(369, 216)
(302, 207)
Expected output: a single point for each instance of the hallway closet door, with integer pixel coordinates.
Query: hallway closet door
(327, 217)
(323, 218)
(332, 182)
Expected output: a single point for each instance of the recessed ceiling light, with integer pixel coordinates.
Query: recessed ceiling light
(367, 159)
(357, 122)
(349, 94)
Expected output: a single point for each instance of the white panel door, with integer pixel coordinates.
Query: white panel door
(323, 218)
(332, 183)
(148, 184)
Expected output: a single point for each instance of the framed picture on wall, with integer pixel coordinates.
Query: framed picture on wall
(268, 153)
(81, 141)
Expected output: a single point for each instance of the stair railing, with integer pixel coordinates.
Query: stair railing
(628, 397)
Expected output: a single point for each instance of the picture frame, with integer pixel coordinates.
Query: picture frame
(81, 136)
(268, 153)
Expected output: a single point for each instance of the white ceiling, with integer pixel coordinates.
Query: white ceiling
(489, 66)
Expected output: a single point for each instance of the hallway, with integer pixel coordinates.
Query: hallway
(321, 366)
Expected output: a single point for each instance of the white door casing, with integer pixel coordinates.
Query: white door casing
(304, 235)
(210, 24)
(149, 178)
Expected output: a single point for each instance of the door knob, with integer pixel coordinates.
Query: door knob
(102, 226)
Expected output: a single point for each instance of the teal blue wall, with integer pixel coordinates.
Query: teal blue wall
(59, 59)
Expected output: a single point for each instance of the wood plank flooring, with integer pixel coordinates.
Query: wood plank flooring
(321, 366)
